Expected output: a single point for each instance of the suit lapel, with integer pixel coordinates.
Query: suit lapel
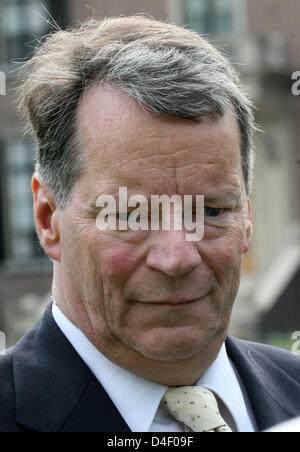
(95, 413)
(274, 396)
(55, 390)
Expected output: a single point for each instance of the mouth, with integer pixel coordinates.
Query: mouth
(173, 301)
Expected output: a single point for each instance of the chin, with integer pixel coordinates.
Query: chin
(177, 346)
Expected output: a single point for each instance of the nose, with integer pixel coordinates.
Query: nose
(171, 254)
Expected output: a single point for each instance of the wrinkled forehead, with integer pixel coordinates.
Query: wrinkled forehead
(126, 145)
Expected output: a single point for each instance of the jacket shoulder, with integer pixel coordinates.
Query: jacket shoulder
(271, 377)
(7, 394)
(285, 360)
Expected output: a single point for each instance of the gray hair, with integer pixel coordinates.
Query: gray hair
(167, 69)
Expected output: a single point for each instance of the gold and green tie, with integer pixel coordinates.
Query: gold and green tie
(196, 407)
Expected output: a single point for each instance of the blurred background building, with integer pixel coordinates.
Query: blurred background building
(262, 38)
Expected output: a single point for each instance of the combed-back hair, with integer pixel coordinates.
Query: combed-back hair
(167, 69)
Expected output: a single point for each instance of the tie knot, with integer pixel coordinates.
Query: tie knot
(195, 407)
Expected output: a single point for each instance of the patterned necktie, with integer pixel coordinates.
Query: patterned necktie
(196, 408)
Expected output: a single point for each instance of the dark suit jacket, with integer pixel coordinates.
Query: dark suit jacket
(46, 387)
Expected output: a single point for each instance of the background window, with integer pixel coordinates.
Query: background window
(21, 236)
(210, 16)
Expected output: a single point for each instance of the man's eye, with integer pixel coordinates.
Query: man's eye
(213, 211)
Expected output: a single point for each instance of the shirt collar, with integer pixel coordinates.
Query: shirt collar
(222, 378)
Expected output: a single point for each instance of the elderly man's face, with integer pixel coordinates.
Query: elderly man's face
(152, 292)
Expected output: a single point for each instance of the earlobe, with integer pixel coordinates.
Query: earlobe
(46, 218)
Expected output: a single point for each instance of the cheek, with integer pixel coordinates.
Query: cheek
(224, 254)
(118, 264)
(232, 246)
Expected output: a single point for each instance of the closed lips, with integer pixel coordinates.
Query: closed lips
(172, 301)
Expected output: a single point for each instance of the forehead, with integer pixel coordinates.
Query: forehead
(125, 145)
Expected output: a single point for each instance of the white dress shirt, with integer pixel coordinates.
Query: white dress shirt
(139, 400)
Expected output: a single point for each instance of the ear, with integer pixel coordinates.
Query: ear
(46, 218)
(249, 227)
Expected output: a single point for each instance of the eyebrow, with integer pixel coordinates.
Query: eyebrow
(233, 197)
